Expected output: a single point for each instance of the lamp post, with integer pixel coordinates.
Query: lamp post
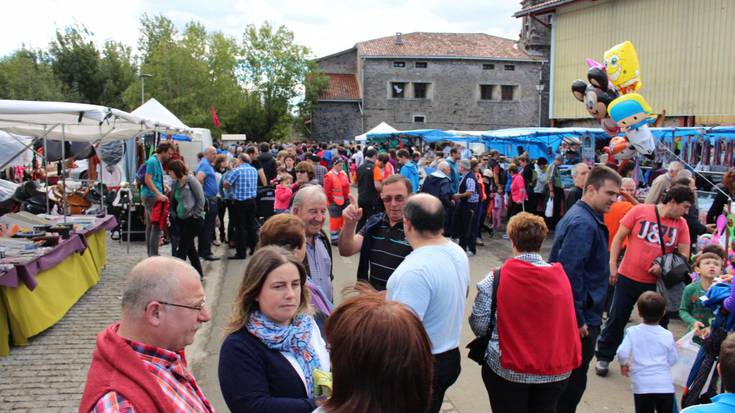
(142, 77)
(540, 90)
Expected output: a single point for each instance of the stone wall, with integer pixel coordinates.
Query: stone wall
(345, 62)
(453, 100)
(336, 121)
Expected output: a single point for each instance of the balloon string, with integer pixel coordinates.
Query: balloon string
(661, 145)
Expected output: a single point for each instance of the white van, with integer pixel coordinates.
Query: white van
(200, 139)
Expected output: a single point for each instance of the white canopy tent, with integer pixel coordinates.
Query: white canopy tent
(162, 119)
(67, 121)
(11, 145)
(382, 128)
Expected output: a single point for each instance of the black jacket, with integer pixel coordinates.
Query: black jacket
(440, 188)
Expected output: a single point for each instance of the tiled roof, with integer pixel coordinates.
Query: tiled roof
(544, 7)
(341, 87)
(474, 45)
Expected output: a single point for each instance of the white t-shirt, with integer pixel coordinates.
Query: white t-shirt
(433, 281)
(318, 344)
(650, 350)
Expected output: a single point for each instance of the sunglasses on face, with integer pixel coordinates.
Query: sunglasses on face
(397, 198)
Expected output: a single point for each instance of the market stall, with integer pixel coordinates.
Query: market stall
(49, 268)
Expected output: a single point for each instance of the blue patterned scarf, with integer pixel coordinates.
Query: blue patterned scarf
(294, 338)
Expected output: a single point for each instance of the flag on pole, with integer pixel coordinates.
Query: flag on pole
(215, 118)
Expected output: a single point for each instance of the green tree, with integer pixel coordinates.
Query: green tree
(117, 72)
(275, 67)
(75, 62)
(27, 75)
(155, 32)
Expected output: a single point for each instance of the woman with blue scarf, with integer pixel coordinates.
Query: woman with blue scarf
(274, 347)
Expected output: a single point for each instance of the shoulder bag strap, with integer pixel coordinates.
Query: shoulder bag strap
(494, 304)
(660, 234)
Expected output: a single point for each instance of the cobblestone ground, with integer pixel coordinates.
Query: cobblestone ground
(49, 374)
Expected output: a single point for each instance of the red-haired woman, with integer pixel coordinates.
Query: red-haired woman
(371, 374)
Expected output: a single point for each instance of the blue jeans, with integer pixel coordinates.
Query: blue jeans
(624, 298)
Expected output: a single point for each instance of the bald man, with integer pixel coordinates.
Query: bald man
(207, 177)
(579, 175)
(138, 364)
(433, 281)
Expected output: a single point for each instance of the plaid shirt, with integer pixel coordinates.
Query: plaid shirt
(243, 182)
(175, 380)
(480, 319)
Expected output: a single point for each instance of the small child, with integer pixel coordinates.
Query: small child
(708, 266)
(647, 353)
(283, 194)
(498, 205)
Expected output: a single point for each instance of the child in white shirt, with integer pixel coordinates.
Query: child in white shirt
(647, 353)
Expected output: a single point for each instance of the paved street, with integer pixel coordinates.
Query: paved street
(48, 375)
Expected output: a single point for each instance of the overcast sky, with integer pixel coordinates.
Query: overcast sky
(325, 26)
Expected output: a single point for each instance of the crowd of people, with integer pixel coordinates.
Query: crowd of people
(392, 344)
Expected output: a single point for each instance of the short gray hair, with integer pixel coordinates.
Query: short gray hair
(465, 163)
(675, 166)
(154, 278)
(574, 170)
(308, 192)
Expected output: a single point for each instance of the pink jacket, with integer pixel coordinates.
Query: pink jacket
(518, 189)
(283, 197)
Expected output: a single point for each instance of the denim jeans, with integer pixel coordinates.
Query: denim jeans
(624, 298)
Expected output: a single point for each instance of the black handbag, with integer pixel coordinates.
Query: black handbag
(478, 346)
(674, 266)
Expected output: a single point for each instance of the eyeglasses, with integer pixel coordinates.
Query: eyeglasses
(198, 308)
(397, 198)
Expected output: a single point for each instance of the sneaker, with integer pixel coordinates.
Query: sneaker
(470, 253)
(479, 242)
(602, 367)
(505, 236)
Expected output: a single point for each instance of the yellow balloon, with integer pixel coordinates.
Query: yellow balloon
(623, 68)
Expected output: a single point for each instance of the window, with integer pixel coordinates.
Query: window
(399, 64)
(419, 90)
(486, 92)
(488, 66)
(419, 119)
(507, 92)
(420, 65)
(398, 90)
(509, 67)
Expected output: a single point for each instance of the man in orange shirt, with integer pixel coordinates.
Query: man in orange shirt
(619, 209)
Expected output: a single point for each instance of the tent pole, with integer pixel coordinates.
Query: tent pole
(45, 172)
(63, 172)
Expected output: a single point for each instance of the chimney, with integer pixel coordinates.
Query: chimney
(399, 40)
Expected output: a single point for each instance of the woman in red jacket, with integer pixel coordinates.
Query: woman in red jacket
(337, 188)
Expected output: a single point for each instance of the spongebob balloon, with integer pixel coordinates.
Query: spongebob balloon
(623, 69)
(632, 114)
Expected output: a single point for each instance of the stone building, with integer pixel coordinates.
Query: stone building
(459, 81)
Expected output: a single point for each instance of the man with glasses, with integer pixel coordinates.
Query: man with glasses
(139, 364)
(381, 242)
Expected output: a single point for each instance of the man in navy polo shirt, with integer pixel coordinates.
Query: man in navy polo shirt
(206, 176)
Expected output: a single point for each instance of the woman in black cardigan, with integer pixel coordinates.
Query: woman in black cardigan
(268, 361)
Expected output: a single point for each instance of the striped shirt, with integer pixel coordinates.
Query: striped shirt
(243, 182)
(480, 319)
(388, 249)
(176, 382)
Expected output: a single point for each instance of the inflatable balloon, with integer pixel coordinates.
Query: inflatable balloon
(623, 68)
(579, 88)
(620, 149)
(630, 111)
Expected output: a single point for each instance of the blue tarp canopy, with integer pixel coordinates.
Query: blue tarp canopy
(537, 141)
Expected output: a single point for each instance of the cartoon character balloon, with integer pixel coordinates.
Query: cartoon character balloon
(622, 67)
(632, 114)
